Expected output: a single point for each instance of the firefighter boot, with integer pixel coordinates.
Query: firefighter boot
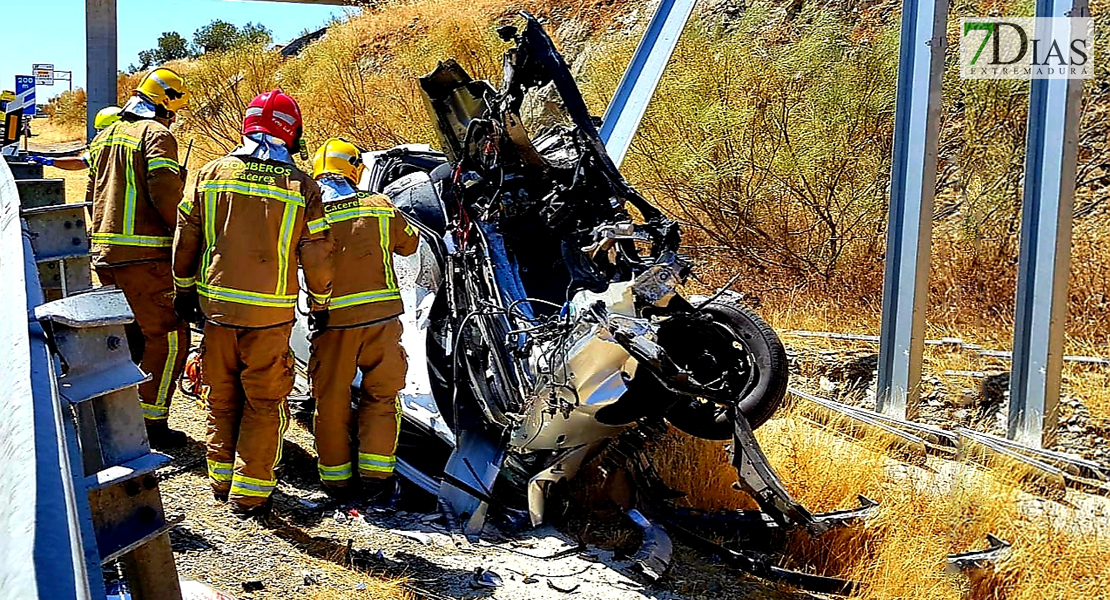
(377, 491)
(257, 511)
(162, 437)
(344, 494)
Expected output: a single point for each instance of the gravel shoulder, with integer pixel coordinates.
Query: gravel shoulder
(311, 548)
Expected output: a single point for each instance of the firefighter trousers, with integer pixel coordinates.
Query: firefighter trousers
(148, 287)
(337, 354)
(249, 373)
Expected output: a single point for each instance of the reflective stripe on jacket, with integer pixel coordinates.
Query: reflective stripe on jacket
(240, 239)
(367, 231)
(134, 187)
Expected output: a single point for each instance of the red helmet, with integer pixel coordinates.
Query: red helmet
(275, 113)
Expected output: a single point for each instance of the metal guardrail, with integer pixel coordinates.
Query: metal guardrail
(951, 342)
(77, 487)
(46, 524)
(1043, 472)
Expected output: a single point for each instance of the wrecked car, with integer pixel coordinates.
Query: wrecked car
(545, 324)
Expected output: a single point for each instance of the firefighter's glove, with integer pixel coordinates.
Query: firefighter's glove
(45, 161)
(317, 322)
(187, 307)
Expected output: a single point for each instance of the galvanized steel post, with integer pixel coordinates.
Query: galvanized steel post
(910, 227)
(100, 58)
(1045, 258)
(49, 548)
(637, 85)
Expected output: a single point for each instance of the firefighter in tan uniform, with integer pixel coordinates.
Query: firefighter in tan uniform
(363, 331)
(135, 184)
(239, 241)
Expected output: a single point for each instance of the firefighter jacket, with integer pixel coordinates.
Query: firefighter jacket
(367, 231)
(134, 187)
(241, 236)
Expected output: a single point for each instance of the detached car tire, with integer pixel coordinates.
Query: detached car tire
(709, 420)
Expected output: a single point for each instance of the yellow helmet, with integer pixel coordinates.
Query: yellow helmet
(340, 157)
(165, 88)
(106, 116)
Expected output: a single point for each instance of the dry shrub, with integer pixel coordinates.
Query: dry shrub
(48, 131)
(771, 138)
(67, 110)
(125, 84)
(222, 85)
(360, 81)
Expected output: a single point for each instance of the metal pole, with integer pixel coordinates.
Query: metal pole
(637, 85)
(100, 61)
(910, 226)
(1045, 257)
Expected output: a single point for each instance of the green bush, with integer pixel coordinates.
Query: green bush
(772, 138)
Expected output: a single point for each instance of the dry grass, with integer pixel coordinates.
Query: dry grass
(360, 81)
(923, 516)
(50, 131)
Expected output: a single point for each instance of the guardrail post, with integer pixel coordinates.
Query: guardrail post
(1045, 257)
(910, 226)
(49, 547)
(637, 85)
(100, 49)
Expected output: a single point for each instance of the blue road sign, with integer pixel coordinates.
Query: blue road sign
(25, 93)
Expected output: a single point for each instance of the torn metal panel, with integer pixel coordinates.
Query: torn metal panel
(654, 556)
(977, 560)
(422, 480)
(760, 481)
(469, 477)
(419, 278)
(564, 466)
(764, 565)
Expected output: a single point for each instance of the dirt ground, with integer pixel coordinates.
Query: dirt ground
(302, 550)
(47, 137)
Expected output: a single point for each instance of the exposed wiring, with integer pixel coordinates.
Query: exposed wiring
(455, 363)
